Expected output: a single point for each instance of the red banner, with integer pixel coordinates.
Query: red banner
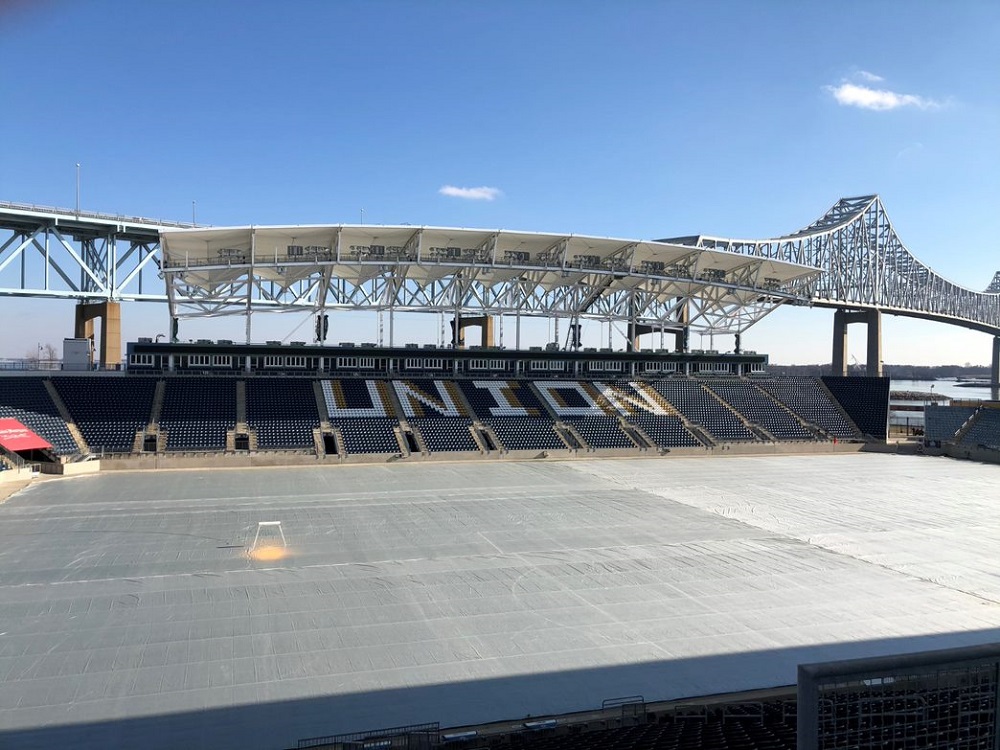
(14, 436)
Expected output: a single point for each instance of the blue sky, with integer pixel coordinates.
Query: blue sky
(626, 119)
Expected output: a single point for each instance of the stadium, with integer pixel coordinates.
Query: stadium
(212, 543)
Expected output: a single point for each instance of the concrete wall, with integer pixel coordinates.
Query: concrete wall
(249, 460)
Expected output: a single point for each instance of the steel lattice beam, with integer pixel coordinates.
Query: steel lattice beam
(865, 265)
(850, 258)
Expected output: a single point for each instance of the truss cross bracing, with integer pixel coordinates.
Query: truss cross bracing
(57, 253)
(850, 258)
(864, 265)
(468, 272)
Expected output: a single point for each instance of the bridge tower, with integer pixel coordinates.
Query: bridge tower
(873, 318)
(109, 348)
(995, 368)
(460, 323)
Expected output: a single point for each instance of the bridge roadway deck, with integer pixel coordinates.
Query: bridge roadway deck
(132, 617)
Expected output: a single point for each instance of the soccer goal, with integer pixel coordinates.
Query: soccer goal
(269, 542)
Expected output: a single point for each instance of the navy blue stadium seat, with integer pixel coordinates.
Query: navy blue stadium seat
(108, 410)
(665, 430)
(26, 400)
(699, 407)
(941, 423)
(282, 412)
(984, 431)
(808, 398)
(445, 433)
(369, 434)
(601, 432)
(760, 409)
(198, 412)
(866, 401)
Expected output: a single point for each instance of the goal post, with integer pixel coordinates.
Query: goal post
(269, 542)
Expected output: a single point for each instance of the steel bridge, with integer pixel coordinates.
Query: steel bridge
(851, 259)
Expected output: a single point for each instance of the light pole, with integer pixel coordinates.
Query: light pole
(194, 220)
(78, 188)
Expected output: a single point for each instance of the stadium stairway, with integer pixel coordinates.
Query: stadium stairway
(757, 430)
(241, 405)
(74, 431)
(967, 426)
(638, 435)
(326, 434)
(157, 408)
(837, 405)
(575, 439)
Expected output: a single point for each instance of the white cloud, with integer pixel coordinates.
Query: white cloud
(471, 193)
(910, 151)
(880, 100)
(870, 77)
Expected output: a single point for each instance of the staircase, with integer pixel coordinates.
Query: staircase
(157, 408)
(74, 431)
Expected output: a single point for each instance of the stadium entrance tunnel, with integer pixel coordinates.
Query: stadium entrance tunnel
(329, 444)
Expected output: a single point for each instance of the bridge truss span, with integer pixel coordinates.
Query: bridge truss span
(865, 266)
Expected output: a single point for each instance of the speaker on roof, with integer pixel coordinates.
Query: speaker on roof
(322, 327)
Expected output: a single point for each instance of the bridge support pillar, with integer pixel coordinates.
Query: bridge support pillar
(874, 365)
(109, 348)
(458, 326)
(995, 370)
(839, 366)
(873, 320)
(635, 330)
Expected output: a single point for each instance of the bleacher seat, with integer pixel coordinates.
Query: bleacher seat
(368, 434)
(362, 410)
(26, 400)
(866, 401)
(806, 397)
(600, 432)
(282, 412)
(197, 413)
(984, 431)
(108, 411)
(769, 725)
(699, 407)
(942, 422)
(445, 433)
(665, 430)
(760, 409)
(525, 433)
(517, 417)
(427, 397)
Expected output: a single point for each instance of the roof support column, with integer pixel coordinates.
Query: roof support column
(249, 310)
(681, 335)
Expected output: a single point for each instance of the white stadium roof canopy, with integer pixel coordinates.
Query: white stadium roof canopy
(317, 268)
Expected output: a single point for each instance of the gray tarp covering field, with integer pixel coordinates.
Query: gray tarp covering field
(131, 614)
